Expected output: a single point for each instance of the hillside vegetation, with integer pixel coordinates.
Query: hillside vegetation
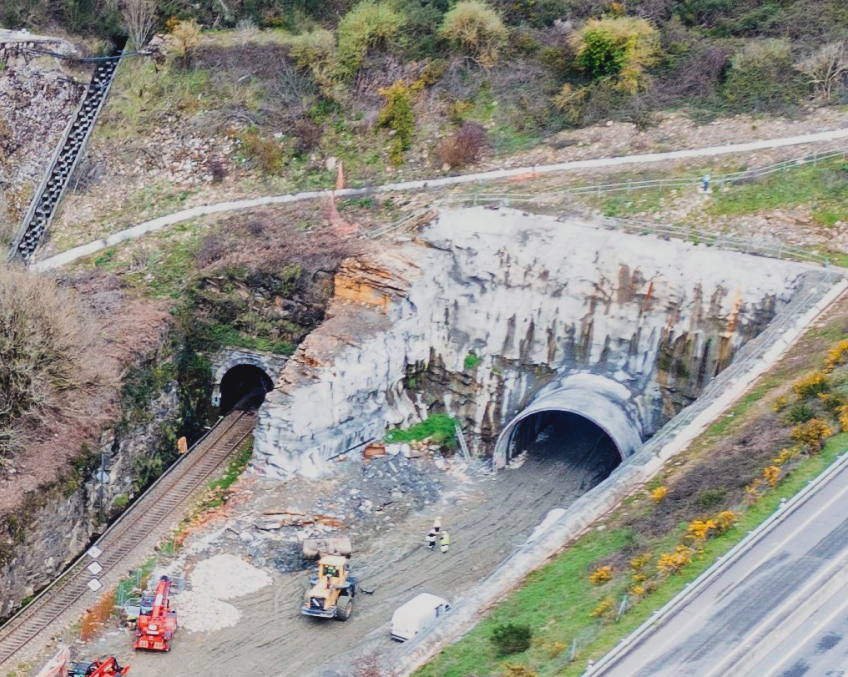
(415, 74)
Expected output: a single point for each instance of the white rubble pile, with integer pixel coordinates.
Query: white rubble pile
(213, 580)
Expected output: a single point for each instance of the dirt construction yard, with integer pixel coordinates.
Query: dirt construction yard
(239, 613)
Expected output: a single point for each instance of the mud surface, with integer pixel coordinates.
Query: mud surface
(486, 514)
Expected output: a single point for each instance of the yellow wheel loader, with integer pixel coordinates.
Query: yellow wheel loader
(333, 589)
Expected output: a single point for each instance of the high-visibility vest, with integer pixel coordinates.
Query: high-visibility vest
(445, 538)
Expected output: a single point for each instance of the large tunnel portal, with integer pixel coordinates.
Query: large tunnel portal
(568, 438)
(244, 387)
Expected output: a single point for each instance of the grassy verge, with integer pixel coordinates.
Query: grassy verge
(765, 448)
(822, 187)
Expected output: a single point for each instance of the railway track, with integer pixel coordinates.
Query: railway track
(151, 516)
(65, 159)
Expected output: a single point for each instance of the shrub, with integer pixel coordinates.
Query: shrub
(266, 153)
(471, 360)
(511, 638)
(601, 575)
(312, 49)
(760, 77)
(800, 412)
(217, 169)
(811, 434)
(780, 404)
(786, 455)
(362, 28)
(771, 475)
(700, 530)
(659, 494)
(672, 563)
(475, 28)
(604, 607)
(637, 563)
(307, 136)
(212, 249)
(836, 356)
(438, 428)
(464, 147)
(825, 69)
(397, 115)
(842, 415)
(617, 47)
(49, 350)
(184, 41)
(811, 385)
(725, 521)
(710, 498)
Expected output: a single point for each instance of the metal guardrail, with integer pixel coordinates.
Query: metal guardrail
(716, 180)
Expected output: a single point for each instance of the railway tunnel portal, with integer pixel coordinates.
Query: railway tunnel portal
(514, 323)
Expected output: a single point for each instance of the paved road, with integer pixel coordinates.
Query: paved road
(780, 609)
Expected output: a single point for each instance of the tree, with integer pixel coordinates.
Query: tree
(825, 68)
(139, 18)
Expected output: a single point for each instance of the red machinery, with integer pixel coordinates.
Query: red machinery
(157, 622)
(61, 666)
(106, 668)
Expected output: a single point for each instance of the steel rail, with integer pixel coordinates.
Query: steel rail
(158, 506)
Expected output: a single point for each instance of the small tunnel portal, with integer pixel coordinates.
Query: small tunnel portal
(569, 438)
(244, 387)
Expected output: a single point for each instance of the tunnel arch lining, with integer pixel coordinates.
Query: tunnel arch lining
(597, 399)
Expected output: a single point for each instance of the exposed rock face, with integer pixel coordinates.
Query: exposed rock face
(489, 307)
(55, 527)
(37, 101)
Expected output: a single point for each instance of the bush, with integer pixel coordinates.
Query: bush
(362, 28)
(825, 69)
(475, 28)
(397, 115)
(307, 136)
(812, 385)
(617, 47)
(511, 638)
(464, 147)
(811, 434)
(800, 412)
(761, 77)
(601, 575)
(184, 41)
(438, 428)
(312, 49)
(265, 153)
(710, 498)
(49, 350)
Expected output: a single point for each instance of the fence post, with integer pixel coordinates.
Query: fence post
(628, 186)
(573, 650)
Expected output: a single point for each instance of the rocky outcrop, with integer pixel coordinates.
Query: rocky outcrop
(38, 98)
(486, 308)
(53, 526)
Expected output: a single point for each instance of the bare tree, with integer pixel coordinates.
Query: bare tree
(825, 68)
(139, 17)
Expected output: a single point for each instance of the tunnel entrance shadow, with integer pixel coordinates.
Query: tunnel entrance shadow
(244, 387)
(568, 438)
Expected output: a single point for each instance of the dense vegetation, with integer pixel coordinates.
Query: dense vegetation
(49, 352)
(534, 66)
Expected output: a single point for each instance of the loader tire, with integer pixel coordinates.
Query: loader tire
(344, 608)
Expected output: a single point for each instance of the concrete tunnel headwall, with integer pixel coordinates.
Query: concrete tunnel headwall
(608, 404)
(492, 316)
